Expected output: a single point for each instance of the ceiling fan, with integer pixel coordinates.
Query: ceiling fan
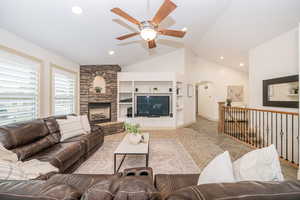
(149, 29)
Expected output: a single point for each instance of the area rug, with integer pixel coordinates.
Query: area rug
(167, 156)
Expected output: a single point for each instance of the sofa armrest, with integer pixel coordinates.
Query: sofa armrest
(97, 130)
(168, 183)
(36, 189)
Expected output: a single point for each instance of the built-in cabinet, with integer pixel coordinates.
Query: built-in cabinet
(131, 85)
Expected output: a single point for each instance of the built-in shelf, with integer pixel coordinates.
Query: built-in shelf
(125, 92)
(127, 103)
(153, 92)
(131, 85)
(293, 95)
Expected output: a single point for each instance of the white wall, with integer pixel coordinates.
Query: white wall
(272, 59)
(171, 62)
(217, 78)
(12, 41)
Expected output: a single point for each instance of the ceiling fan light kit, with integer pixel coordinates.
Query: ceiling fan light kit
(150, 29)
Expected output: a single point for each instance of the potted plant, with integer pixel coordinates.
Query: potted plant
(135, 136)
(228, 102)
(98, 89)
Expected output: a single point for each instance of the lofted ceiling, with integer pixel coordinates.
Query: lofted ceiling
(216, 28)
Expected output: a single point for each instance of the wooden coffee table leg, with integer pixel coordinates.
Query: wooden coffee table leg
(115, 163)
(147, 159)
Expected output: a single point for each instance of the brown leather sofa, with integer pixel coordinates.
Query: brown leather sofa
(40, 139)
(184, 187)
(126, 186)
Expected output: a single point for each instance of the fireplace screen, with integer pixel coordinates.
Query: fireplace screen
(99, 112)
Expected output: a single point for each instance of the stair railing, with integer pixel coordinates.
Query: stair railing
(260, 128)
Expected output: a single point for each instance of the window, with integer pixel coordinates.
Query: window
(19, 88)
(63, 93)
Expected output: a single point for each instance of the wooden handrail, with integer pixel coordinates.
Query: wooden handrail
(264, 110)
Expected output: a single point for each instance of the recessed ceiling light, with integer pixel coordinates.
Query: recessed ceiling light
(76, 10)
(242, 64)
(111, 52)
(222, 57)
(184, 29)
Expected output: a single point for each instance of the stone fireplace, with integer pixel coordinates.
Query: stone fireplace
(98, 92)
(99, 112)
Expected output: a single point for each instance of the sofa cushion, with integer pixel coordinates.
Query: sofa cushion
(28, 150)
(240, 191)
(259, 165)
(61, 155)
(11, 171)
(18, 134)
(84, 122)
(7, 154)
(35, 189)
(69, 128)
(168, 183)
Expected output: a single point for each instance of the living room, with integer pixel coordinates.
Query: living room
(149, 99)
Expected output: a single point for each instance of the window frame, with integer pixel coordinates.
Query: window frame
(52, 89)
(40, 70)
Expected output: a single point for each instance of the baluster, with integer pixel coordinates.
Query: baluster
(271, 132)
(292, 138)
(276, 141)
(281, 136)
(268, 129)
(263, 130)
(286, 137)
(259, 129)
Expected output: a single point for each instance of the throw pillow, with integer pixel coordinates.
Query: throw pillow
(7, 155)
(259, 165)
(85, 124)
(219, 170)
(11, 171)
(69, 128)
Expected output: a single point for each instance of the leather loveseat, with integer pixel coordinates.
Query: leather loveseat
(40, 139)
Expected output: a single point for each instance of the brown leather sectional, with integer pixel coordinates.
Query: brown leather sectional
(40, 139)
(123, 187)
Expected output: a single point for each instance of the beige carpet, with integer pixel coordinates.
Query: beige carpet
(166, 156)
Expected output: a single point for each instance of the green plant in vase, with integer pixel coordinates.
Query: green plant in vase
(135, 136)
(98, 89)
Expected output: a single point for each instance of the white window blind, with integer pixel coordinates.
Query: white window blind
(64, 99)
(19, 88)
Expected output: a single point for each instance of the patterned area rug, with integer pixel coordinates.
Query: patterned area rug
(166, 156)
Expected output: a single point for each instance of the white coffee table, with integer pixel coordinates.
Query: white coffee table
(126, 148)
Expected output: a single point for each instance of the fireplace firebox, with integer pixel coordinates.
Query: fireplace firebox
(99, 112)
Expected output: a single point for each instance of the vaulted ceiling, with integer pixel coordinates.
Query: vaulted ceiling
(216, 28)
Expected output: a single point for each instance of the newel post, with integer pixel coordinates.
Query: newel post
(221, 117)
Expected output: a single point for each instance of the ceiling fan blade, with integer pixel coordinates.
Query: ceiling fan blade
(123, 14)
(173, 33)
(166, 8)
(151, 44)
(123, 37)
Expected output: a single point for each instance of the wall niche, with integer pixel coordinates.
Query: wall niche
(99, 85)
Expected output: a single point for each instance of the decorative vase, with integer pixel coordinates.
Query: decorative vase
(135, 138)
